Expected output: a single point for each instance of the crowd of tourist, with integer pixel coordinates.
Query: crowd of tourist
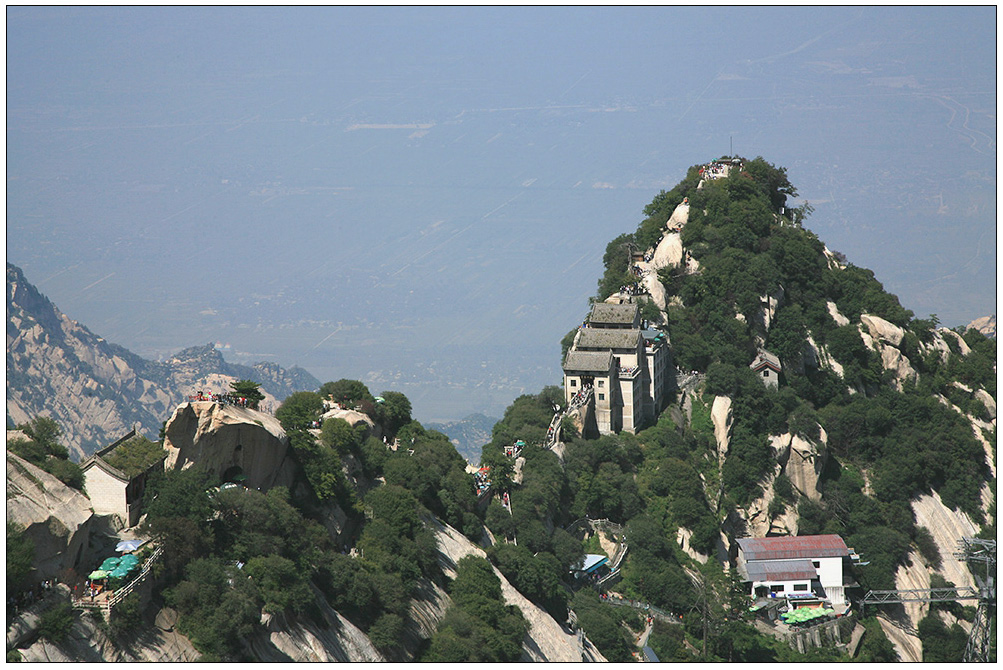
(482, 480)
(220, 398)
(633, 289)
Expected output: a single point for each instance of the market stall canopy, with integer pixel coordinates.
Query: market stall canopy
(128, 561)
(110, 563)
(121, 571)
(129, 545)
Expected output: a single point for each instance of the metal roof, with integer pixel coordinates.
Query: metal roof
(789, 548)
(588, 361)
(608, 338)
(780, 571)
(604, 312)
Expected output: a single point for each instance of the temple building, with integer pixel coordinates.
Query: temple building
(621, 365)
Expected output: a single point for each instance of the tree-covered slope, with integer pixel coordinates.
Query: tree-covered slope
(876, 413)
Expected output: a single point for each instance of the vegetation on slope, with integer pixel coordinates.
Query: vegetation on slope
(901, 441)
(42, 449)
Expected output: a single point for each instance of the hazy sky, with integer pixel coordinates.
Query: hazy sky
(420, 198)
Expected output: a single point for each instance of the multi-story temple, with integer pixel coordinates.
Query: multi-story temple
(622, 365)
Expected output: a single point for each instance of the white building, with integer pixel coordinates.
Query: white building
(111, 491)
(768, 367)
(790, 566)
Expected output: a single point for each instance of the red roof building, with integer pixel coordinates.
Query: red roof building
(784, 566)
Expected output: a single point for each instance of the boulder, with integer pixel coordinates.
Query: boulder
(893, 360)
(57, 518)
(958, 340)
(668, 253)
(882, 330)
(222, 438)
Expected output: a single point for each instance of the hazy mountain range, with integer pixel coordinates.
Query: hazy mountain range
(96, 390)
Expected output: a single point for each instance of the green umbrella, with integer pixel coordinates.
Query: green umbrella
(128, 561)
(98, 574)
(119, 572)
(110, 563)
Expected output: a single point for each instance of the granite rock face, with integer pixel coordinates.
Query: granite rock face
(227, 440)
(56, 517)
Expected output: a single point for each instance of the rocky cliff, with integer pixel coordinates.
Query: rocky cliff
(97, 391)
(229, 441)
(56, 517)
(547, 640)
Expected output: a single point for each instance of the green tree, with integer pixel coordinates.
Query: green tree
(251, 390)
(339, 435)
(299, 410)
(45, 432)
(20, 558)
(394, 412)
(56, 622)
(135, 456)
(280, 583)
(348, 392)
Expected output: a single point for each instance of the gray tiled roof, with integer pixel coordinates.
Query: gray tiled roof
(588, 361)
(603, 312)
(778, 571)
(608, 338)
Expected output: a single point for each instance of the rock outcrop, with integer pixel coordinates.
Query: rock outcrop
(985, 325)
(836, 316)
(959, 341)
(547, 640)
(668, 253)
(97, 391)
(892, 359)
(353, 417)
(227, 440)
(284, 637)
(720, 415)
(87, 641)
(802, 461)
(882, 330)
(57, 518)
